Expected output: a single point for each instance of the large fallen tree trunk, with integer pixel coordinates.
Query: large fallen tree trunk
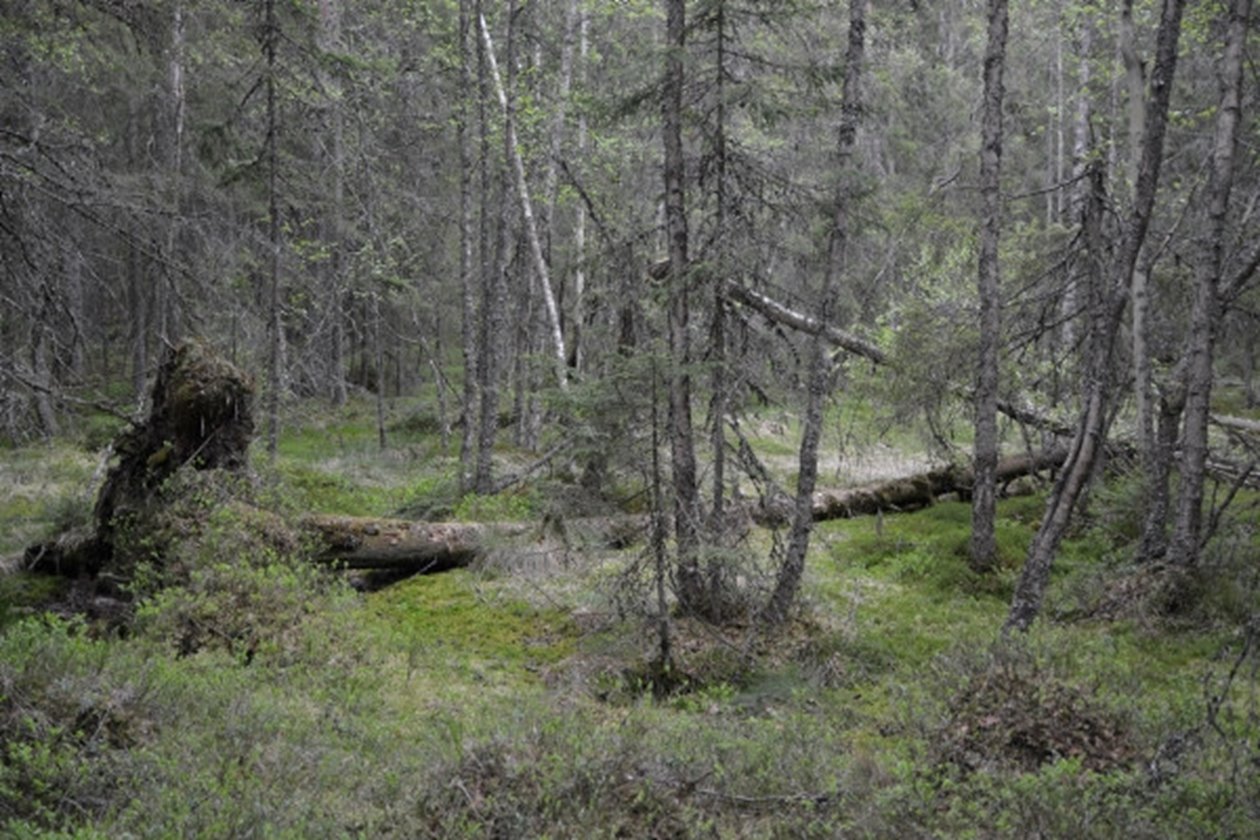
(923, 489)
(398, 545)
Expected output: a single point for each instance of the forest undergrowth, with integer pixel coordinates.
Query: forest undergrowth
(256, 696)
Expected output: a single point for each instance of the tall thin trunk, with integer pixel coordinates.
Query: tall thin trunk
(330, 36)
(275, 351)
(681, 434)
(788, 581)
(494, 286)
(41, 367)
(378, 357)
(1135, 90)
(984, 492)
(468, 288)
(1184, 549)
(717, 425)
(1154, 473)
(527, 207)
(659, 533)
(165, 297)
(1081, 145)
(558, 117)
(138, 308)
(1092, 423)
(579, 223)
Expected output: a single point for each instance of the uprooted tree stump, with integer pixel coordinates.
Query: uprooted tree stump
(200, 417)
(190, 456)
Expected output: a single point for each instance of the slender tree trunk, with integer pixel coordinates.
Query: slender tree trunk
(788, 581)
(1135, 84)
(1154, 471)
(984, 494)
(166, 299)
(41, 367)
(717, 412)
(1080, 196)
(138, 306)
(579, 223)
(691, 593)
(275, 325)
(494, 288)
(378, 358)
(1188, 526)
(1092, 424)
(330, 41)
(527, 207)
(468, 287)
(1153, 543)
(659, 533)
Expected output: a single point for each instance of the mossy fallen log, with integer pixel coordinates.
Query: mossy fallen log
(913, 492)
(396, 545)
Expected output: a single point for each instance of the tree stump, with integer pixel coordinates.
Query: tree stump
(200, 416)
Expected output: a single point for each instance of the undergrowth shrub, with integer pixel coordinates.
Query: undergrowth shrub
(208, 569)
(67, 723)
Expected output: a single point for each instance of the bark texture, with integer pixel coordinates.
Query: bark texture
(681, 433)
(1107, 313)
(1188, 526)
(788, 580)
(984, 498)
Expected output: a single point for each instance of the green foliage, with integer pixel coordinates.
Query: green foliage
(930, 549)
(22, 593)
(256, 695)
(517, 504)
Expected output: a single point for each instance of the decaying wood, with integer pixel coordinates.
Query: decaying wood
(921, 490)
(911, 492)
(398, 545)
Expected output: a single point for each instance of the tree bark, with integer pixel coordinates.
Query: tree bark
(984, 498)
(493, 279)
(1184, 548)
(330, 41)
(1092, 424)
(788, 580)
(691, 590)
(921, 490)
(468, 290)
(527, 208)
(718, 348)
(577, 347)
(275, 325)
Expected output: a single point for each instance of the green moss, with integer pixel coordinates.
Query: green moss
(453, 620)
(519, 505)
(318, 491)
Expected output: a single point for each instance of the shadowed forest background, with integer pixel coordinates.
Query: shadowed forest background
(673, 418)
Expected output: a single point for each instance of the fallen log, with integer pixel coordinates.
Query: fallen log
(918, 491)
(921, 490)
(904, 494)
(359, 543)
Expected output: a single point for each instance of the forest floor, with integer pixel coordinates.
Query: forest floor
(510, 699)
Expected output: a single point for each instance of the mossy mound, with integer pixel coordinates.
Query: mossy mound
(1014, 717)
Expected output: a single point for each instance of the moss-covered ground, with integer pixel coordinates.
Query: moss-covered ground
(505, 701)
